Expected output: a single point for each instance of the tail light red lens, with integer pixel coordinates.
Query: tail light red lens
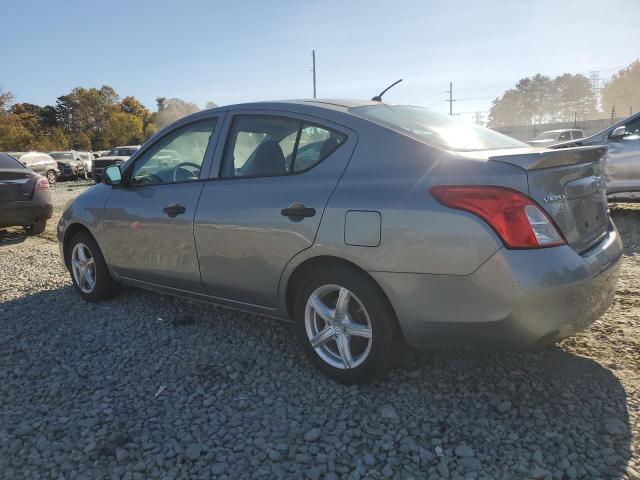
(42, 183)
(517, 219)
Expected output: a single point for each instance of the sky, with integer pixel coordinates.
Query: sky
(239, 51)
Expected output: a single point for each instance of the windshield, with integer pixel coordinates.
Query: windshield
(436, 129)
(62, 155)
(546, 136)
(121, 152)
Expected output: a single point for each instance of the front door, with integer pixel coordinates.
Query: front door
(623, 160)
(277, 175)
(148, 222)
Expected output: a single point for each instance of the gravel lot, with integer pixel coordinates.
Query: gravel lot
(147, 386)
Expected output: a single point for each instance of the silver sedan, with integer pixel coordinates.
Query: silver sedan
(365, 223)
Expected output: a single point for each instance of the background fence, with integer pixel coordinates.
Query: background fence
(527, 132)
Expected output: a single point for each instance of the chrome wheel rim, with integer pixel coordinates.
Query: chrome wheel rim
(83, 268)
(51, 177)
(338, 327)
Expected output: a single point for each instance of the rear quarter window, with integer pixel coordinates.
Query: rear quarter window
(7, 161)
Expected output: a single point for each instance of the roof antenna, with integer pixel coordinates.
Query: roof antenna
(378, 98)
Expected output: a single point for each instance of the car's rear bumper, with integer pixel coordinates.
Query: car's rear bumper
(516, 298)
(24, 213)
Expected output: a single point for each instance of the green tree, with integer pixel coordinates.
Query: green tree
(575, 98)
(125, 129)
(172, 109)
(623, 91)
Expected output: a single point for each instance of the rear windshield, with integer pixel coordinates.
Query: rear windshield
(121, 152)
(7, 161)
(436, 129)
(62, 155)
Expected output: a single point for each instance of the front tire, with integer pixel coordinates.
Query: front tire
(89, 272)
(37, 227)
(52, 177)
(345, 324)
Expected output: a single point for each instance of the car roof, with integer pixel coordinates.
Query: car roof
(342, 104)
(563, 130)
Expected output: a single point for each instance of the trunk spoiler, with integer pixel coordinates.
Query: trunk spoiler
(548, 158)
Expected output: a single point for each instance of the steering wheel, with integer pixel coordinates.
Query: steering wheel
(193, 174)
(148, 179)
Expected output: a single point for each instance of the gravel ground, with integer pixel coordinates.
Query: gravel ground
(148, 386)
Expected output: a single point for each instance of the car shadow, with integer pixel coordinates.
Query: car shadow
(626, 218)
(548, 410)
(12, 236)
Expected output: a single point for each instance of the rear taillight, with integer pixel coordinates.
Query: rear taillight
(42, 183)
(516, 218)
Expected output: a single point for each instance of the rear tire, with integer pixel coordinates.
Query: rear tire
(52, 177)
(365, 327)
(36, 227)
(88, 269)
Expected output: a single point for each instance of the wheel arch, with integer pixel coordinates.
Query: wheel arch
(298, 274)
(69, 233)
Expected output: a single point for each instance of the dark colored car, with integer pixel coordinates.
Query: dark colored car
(71, 164)
(25, 199)
(115, 157)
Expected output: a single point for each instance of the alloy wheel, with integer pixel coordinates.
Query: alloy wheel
(338, 326)
(83, 267)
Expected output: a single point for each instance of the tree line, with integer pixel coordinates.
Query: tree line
(85, 119)
(565, 98)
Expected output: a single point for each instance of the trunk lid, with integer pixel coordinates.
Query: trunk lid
(569, 186)
(16, 184)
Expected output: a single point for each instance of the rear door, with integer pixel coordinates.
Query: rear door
(623, 160)
(264, 204)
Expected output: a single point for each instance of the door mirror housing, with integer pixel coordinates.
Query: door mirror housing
(112, 176)
(618, 132)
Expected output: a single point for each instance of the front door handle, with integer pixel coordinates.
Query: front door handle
(298, 211)
(174, 210)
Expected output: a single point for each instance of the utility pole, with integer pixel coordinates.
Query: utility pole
(613, 113)
(313, 56)
(594, 78)
(479, 118)
(451, 99)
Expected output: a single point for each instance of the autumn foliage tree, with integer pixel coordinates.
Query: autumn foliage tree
(85, 119)
(623, 91)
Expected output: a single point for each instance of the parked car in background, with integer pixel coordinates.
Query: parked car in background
(550, 137)
(39, 162)
(360, 221)
(71, 163)
(622, 162)
(25, 199)
(115, 157)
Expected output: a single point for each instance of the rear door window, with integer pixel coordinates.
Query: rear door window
(263, 145)
(577, 135)
(564, 136)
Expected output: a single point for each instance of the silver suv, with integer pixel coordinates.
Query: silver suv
(622, 163)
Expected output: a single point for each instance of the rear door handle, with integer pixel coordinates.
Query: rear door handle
(174, 210)
(298, 211)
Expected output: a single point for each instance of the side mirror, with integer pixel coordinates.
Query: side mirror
(112, 175)
(618, 132)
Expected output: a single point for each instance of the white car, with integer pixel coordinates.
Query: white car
(551, 137)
